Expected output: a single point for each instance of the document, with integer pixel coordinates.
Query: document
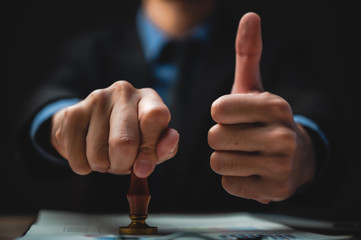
(77, 226)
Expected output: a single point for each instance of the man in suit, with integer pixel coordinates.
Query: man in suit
(177, 59)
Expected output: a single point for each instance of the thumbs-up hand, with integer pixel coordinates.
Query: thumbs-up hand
(259, 150)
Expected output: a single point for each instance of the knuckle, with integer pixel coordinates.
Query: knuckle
(73, 114)
(122, 87)
(149, 91)
(278, 106)
(98, 97)
(122, 153)
(122, 142)
(58, 136)
(160, 114)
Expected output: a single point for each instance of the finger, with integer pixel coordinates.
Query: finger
(266, 139)
(239, 164)
(253, 187)
(167, 145)
(241, 137)
(248, 55)
(251, 108)
(258, 188)
(98, 133)
(154, 117)
(264, 201)
(73, 134)
(124, 135)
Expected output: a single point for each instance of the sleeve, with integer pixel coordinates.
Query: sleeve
(40, 129)
(67, 83)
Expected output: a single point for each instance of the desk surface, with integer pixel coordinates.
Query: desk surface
(14, 226)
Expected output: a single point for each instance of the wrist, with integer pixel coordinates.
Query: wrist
(305, 158)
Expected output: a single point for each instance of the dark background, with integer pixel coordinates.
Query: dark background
(32, 30)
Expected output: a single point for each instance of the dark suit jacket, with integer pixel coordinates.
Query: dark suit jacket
(185, 183)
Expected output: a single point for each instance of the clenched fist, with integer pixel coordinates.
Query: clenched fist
(114, 130)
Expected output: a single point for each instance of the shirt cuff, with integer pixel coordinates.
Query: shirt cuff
(40, 119)
(306, 122)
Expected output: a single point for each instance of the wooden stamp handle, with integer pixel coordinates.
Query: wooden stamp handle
(138, 196)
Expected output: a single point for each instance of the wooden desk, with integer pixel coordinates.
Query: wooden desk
(14, 226)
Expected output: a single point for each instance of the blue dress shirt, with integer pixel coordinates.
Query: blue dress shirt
(154, 40)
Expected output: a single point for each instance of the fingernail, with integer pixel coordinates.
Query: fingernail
(143, 168)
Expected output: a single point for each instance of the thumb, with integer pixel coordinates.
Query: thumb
(167, 145)
(248, 55)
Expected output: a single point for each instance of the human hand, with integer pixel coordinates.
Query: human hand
(259, 149)
(114, 130)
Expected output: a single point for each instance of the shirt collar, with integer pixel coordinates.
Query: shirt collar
(154, 39)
